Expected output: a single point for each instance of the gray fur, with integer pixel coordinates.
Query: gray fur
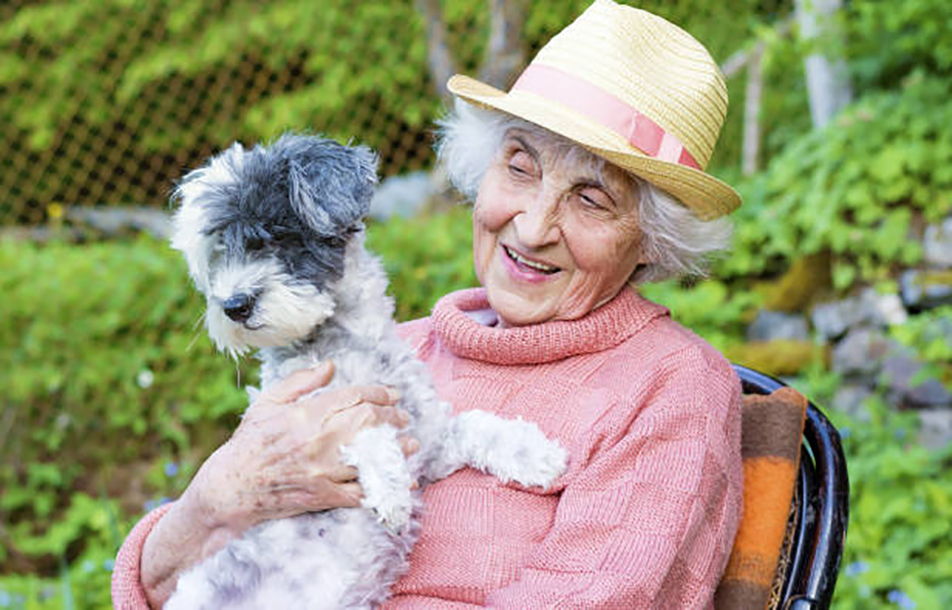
(281, 227)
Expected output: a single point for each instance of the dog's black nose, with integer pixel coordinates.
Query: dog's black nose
(239, 307)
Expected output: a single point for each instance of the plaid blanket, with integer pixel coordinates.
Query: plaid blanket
(772, 431)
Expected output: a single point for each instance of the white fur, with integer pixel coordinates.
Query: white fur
(286, 310)
(343, 558)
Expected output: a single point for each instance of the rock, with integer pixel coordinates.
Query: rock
(937, 329)
(849, 399)
(937, 244)
(770, 325)
(881, 309)
(861, 353)
(112, 222)
(403, 195)
(870, 308)
(935, 430)
(900, 374)
(926, 289)
(832, 320)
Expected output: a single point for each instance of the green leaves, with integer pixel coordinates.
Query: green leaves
(96, 370)
(853, 189)
(426, 257)
(898, 545)
(708, 308)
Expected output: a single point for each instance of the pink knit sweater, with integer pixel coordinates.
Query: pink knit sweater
(646, 514)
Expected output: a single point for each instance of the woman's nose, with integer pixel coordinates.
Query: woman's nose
(537, 225)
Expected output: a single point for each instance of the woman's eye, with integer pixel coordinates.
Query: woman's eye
(594, 200)
(520, 164)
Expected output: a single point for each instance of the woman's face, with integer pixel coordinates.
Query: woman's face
(553, 238)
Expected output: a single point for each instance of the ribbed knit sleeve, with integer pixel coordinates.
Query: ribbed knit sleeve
(127, 591)
(649, 521)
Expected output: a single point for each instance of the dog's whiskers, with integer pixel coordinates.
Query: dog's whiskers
(196, 328)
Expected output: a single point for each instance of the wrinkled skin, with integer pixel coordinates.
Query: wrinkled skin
(576, 227)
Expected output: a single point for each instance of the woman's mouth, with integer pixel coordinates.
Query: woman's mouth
(527, 264)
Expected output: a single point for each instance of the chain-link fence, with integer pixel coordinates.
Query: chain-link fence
(107, 102)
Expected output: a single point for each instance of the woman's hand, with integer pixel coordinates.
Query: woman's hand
(282, 460)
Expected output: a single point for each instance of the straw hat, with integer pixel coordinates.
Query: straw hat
(632, 88)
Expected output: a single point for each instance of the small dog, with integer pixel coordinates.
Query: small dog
(273, 238)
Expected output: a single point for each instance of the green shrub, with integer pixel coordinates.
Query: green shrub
(899, 544)
(426, 258)
(167, 81)
(928, 334)
(105, 374)
(709, 308)
(853, 189)
(887, 41)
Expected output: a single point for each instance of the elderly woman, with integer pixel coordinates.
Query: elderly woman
(587, 178)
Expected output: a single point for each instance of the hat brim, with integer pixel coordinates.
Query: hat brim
(705, 195)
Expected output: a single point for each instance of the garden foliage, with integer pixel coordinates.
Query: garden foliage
(898, 551)
(854, 189)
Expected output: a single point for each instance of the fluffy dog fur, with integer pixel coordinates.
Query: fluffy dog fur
(273, 238)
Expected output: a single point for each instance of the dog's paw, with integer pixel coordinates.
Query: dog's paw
(537, 460)
(383, 474)
(511, 450)
(393, 512)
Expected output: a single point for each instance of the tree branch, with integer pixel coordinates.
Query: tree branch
(439, 58)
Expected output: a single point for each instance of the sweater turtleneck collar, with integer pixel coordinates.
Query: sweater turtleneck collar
(603, 328)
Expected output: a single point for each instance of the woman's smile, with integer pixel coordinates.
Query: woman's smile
(525, 268)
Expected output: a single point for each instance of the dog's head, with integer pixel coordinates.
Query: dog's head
(265, 232)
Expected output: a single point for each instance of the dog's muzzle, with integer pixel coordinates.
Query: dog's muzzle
(239, 307)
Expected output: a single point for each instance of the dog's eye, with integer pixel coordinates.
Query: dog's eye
(254, 243)
(288, 241)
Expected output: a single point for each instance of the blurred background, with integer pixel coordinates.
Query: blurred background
(111, 395)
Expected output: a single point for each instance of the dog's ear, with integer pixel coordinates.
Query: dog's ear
(330, 185)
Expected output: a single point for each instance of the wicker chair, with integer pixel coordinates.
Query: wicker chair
(816, 529)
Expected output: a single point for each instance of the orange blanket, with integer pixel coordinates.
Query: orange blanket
(772, 431)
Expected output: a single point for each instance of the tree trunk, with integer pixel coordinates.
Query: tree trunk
(827, 79)
(505, 55)
(752, 97)
(439, 58)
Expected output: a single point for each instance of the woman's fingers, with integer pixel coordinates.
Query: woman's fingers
(353, 396)
(359, 408)
(299, 383)
(342, 474)
(350, 494)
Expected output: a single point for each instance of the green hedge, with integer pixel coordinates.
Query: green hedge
(854, 189)
(899, 544)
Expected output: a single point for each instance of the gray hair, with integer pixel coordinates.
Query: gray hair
(675, 241)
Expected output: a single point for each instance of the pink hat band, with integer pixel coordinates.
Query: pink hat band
(604, 108)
